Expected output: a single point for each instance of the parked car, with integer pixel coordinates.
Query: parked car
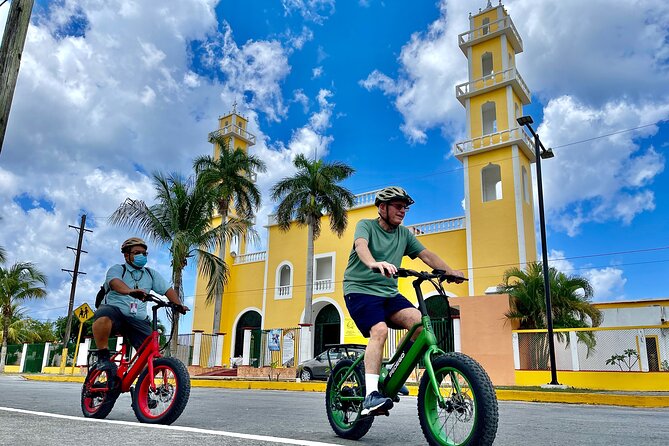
(319, 367)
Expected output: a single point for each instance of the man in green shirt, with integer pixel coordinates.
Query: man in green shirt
(372, 299)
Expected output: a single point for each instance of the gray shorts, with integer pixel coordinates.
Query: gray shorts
(135, 330)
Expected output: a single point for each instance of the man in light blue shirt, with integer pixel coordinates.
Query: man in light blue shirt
(122, 313)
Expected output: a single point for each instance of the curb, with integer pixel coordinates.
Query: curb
(595, 398)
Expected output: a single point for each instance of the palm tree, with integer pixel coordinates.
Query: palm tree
(570, 304)
(20, 282)
(229, 176)
(3, 255)
(305, 197)
(181, 220)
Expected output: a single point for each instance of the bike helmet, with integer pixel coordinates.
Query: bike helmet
(132, 241)
(392, 193)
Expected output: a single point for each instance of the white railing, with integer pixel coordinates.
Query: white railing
(259, 256)
(491, 80)
(488, 29)
(449, 224)
(283, 290)
(493, 139)
(250, 137)
(365, 198)
(323, 286)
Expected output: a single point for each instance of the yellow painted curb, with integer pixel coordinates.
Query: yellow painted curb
(611, 399)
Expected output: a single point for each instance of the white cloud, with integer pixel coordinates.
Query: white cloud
(431, 64)
(607, 283)
(611, 51)
(602, 179)
(316, 72)
(316, 11)
(96, 111)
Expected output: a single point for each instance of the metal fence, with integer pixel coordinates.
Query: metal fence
(279, 347)
(597, 349)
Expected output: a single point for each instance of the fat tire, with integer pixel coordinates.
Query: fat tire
(358, 426)
(482, 401)
(93, 406)
(179, 391)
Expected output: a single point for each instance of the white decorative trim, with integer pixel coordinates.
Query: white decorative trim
(468, 224)
(282, 291)
(518, 195)
(325, 285)
(264, 287)
(236, 321)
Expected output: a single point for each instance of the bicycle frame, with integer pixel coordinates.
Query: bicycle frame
(405, 360)
(129, 370)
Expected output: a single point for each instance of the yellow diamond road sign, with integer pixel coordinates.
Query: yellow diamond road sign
(84, 312)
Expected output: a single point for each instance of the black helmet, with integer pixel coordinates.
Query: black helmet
(393, 193)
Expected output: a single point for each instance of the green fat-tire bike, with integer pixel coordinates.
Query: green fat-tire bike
(456, 400)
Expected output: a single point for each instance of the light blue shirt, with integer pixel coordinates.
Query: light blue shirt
(133, 278)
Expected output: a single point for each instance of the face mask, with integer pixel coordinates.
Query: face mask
(139, 260)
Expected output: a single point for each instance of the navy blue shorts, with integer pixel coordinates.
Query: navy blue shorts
(367, 310)
(136, 330)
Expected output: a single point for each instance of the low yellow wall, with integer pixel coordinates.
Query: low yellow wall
(627, 381)
(11, 369)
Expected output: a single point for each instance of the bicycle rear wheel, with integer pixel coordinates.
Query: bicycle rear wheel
(97, 394)
(344, 414)
(469, 415)
(172, 390)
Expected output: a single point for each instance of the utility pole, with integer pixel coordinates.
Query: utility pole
(10, 56)
(74, 273)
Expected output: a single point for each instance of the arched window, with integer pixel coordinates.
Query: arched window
(486, 28)
(491, 178)
(489, 118)
(526, 186)
(486, 64)
(284, 281)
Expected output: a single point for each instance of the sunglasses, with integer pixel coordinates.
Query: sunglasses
(399, 206)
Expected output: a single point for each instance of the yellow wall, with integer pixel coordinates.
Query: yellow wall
(627, 381)
(493, 223)
(476, 104)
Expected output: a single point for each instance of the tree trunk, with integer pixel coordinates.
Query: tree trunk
(218, 302)
(3, 354)
(175, 314)
(309, 291)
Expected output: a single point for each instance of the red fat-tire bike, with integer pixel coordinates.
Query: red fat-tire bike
(163, 384)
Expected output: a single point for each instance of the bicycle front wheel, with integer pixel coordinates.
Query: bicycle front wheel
(163, 403)
(343, 403)
(469, 414)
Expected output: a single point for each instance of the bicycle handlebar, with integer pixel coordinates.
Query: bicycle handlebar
(144, 297)
(435, 274)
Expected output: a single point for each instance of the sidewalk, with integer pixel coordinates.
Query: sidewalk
(568, 396)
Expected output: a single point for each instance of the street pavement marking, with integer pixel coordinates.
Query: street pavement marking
(176, 428)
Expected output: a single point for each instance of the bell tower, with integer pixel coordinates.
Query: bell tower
(233, 129)
(497, 154)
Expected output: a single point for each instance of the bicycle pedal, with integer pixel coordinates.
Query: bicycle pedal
(380, 412)
(396, 399)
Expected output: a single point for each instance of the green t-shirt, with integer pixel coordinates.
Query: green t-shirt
(385, 247)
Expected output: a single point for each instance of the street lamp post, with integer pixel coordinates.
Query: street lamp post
(541, 152)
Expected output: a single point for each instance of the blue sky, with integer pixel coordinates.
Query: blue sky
(111, 91)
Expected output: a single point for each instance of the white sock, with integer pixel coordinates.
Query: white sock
(371, 383)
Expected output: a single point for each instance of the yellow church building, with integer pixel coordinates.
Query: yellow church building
(266, 289)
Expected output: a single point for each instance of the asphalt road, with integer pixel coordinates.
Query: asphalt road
(48, 413)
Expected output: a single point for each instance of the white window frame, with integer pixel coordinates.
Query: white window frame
(283, 291)
(491, 191)
(325, 285)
